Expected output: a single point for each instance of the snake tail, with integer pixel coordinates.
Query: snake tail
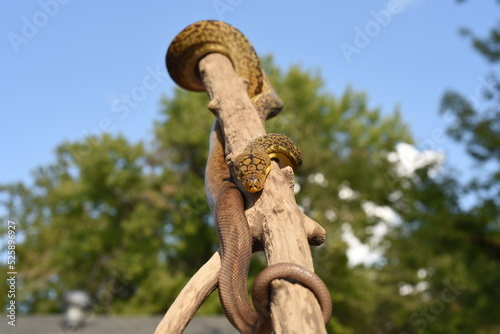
(296, 273)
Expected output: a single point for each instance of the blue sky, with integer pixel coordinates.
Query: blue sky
(69, 65)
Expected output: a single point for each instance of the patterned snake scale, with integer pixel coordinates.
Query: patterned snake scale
(253, 165)
(224, 197)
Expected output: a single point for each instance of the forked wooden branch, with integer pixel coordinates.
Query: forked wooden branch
(196, 291)
(274, 217)
(275, 220)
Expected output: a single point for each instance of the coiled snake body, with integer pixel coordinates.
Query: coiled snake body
(251, 167)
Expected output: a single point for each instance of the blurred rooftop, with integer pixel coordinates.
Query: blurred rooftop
(50, 324)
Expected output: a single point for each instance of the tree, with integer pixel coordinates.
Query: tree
(92, 220)
(442, 269)
(345, 146)
(343, 143)
(129, 223)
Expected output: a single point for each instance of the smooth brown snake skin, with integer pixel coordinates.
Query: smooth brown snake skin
(224, 197)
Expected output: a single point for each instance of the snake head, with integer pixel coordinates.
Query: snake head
(252, 168)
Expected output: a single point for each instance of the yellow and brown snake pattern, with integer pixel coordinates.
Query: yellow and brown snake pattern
(253, 165)
(224, 197)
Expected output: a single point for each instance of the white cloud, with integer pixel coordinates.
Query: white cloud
(408, 159)
(373, 251)
(358, 253)
(388, 218)
(296, 188)
(422, 273)
(318, 178)
(384, 213)
(346, 193)
(405, 289)
(330, 215)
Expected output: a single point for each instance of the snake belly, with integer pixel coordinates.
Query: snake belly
(234, 236)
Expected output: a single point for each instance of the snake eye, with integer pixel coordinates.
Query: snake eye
(238, 172)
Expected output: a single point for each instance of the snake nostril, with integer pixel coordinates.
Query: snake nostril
(253, 184)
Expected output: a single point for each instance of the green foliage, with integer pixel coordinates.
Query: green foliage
(130, 224)
(180, 155)
(443, 263)
(92, 220)
(343, 142)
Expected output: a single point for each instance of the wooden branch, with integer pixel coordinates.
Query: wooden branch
(196, 291)
(273, 216)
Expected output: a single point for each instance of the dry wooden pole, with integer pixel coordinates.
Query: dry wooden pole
(273, 215)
